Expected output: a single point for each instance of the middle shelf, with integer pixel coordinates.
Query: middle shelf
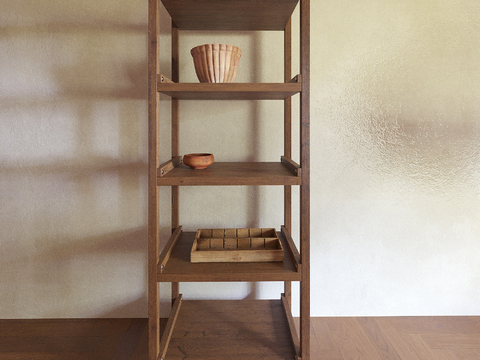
(175, 173)
(174, 264)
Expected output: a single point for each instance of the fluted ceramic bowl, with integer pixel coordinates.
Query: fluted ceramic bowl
(216, 63)
(198, 161)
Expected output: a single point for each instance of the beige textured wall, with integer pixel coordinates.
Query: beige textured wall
(395, 159)
(73, 158)
(397, 115)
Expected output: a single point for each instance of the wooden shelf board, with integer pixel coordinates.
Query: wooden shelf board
(180, 269)
(233, 91)
(230, 15)
(231, 173)
(231, 329)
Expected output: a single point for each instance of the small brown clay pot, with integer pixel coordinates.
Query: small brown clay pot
(198, 161)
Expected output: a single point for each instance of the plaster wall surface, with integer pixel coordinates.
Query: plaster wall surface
(395, 179)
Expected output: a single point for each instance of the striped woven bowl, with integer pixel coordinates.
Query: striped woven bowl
(216, 63)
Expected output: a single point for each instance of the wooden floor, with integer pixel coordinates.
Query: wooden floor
(239, 330)
(407, 338)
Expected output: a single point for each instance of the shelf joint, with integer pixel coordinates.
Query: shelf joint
(163, 79)
(296, 79)
(292, 249)
(168, 166)
(165, 255)
(291, 165)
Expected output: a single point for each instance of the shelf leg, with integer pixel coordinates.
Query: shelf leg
(287, 138)
(175, 291)
(175, 139)
(153, 211)
(305, 186)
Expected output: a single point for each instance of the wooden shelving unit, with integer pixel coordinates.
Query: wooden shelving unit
(240, 329)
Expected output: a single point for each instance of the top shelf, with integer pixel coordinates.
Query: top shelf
(230, 15)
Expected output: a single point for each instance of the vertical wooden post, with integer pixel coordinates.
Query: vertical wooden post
(153, 206)
(287, 141)
(175, 139)
(305, 187)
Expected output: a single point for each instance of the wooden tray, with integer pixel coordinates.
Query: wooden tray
(236, 245)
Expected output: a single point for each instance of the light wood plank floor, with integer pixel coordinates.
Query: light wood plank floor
(405, 338)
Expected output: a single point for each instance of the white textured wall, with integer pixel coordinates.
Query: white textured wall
(395, 127)
(396, 114)
(73, 154)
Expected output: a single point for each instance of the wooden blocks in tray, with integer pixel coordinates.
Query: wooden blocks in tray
(236, 245)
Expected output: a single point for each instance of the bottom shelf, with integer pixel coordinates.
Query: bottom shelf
(231, 329)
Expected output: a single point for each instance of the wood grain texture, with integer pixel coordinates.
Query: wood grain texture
(179, 267)
(287, 137)
(305, 185)
(400, 343)
(167, 334)
(237, 15)
(291, 324)
(230, 15)
(376, 336)
(127, 339)
(291, 165)
(463, 354)
(292, 248)
(242, 329)
(232, 252)
(323, 344)
(168, 166)
(231, 173)
(460, 325)
(399, 338)
(351, 343)
(235, 91)
(167, 250)
(86, 339)
(153, 164)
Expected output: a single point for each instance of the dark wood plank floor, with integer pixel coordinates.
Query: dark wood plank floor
(72, 339)
(405, 338)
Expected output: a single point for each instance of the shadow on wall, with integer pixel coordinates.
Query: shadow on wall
(73, 150)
